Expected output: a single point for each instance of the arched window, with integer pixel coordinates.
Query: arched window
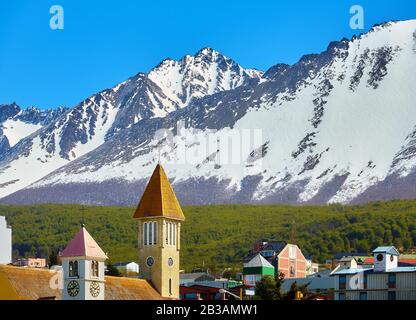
(167, 232)
(150, 239)
(94, 269)
(145, 233)
(154, 233)
(73, 268)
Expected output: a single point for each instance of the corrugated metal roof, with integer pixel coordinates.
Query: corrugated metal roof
(159, 199)
(34, 284)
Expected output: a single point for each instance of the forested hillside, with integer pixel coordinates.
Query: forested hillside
(219, 236)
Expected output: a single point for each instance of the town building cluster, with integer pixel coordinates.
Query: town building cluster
(384, 275)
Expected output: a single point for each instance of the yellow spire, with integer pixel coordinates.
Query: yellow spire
(159, 199)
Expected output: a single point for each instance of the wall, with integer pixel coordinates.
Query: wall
(5, 242)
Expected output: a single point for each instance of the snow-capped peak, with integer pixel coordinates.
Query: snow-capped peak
(205, 73)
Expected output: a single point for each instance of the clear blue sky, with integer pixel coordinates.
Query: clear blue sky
(105, 42)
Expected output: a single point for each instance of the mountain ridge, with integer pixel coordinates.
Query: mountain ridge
(313, 115)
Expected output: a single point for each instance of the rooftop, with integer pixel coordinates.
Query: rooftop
(34, 284)
(390, 250)
(159, 199)
(83, 245)
(258, 261)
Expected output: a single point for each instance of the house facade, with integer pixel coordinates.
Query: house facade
(286, 258)
(384, 280)
(256, 269)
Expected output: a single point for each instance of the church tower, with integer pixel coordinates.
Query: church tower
(83, 268)
(159, 218)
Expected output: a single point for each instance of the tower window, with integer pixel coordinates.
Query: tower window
(150, 240)
(94, 269)
(170, 286)
(73, 268)
(150, 233)
(170, 233)
(167, 232)
(145, 233)
(154, 233)
(174, 234)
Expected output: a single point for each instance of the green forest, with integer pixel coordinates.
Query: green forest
(220, 236)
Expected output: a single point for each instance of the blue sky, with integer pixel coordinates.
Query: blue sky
(105, 42)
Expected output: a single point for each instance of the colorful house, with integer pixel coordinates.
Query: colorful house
(256, 269)
(285, 258)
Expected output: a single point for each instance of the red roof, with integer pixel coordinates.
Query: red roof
(83, 245)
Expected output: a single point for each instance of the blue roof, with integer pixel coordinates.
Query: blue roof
(371, 270)
(390, 250)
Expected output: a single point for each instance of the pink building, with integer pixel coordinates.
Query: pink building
(286, 258)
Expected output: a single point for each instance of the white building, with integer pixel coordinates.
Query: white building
(83, 268)
(128, 268)
(5, 242)
(385, 280)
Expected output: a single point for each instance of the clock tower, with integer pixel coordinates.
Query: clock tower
(159, 218)
(83, 268)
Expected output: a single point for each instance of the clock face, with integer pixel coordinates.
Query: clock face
(170, 262)
(73, 288)
(94, 289)
(150, 261)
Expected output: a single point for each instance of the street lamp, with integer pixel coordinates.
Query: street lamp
(222, 291)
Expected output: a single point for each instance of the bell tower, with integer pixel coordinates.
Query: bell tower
(83, 268)
(159, 218)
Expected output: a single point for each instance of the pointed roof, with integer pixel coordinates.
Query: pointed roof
(83, 245)
(390, 250)
(258, 261)
(159, 199)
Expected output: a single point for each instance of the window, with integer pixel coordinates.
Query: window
(145, 233)
(150, 241)
(363, 295)
(94, 269)
(174, 234)
(171, 233)
(380, 257)
(154, 233)
(342, 282)
(167, 232)
(341, 296)
(391, 295)
(170, 286)
(150, 233)
(365, 281)
(392, 280)
(73, 268)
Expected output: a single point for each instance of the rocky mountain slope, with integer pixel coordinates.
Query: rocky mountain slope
(338, 126)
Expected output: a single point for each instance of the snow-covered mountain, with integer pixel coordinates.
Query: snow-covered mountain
(16, 124)
(339, 126)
